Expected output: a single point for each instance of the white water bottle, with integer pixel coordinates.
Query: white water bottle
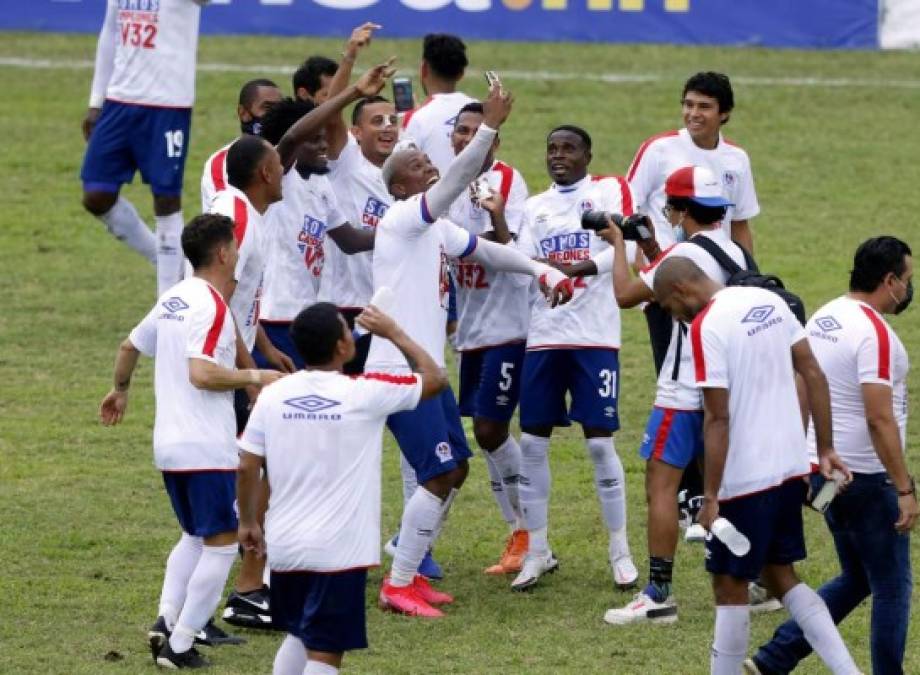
(827, 492)
(734, 540)
(383, 299)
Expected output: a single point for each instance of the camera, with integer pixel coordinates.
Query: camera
(636, 227)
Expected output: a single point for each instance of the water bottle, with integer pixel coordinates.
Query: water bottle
(383, 299)
(734, 540)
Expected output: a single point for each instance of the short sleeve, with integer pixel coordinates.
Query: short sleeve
(618, 195)
(647, 273)
(794, 329)
(385, 393)
(144, 335)
(527, 238)
(642, 174)
(253, 437)
(407, 217)
(204, 328)
(746, 205)
(873, 351)
(709, 349)
(458, 243)
(344, 163)
(515, 205)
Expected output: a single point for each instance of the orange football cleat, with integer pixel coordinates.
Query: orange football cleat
(513, 555)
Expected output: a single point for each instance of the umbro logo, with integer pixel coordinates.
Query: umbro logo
(502, 400)
(828, 323)
(174, 304)
(610, 411)
(758, 314)
(311, 403)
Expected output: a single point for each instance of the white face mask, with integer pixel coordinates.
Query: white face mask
(679, 233)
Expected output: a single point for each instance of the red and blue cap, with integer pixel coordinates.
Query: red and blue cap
(698, 184)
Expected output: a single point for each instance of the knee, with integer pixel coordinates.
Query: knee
(489, 434)
(600, 449)
(440, 486)
(99, 203)
(165, 205)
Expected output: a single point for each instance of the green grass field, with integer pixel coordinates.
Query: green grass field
(84, 523)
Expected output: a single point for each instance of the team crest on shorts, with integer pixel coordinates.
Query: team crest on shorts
(442, 450)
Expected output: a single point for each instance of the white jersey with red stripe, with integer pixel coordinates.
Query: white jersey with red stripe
(324, 507)
(249, 230)
(742, 342)
(195, 429)
(661, 155)
(214, 177)
(146, 54)
(295, 235)
(431, 124)
(854, 345)
(676, 387)
(411, 255)
(348, 280)
(493, 308)
(552, 230)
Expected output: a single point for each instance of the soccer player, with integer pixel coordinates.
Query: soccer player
(866, 367)
(494, 312)
(411, 255)
(255, 100)
(310, 81)
(747, 348)
(323, 523)
(431, 124)
(674, 433)
(191, 335)
(140, 111)
(572, 349)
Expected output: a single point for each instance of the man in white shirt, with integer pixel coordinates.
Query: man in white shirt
(866, 367)
(139, 116)
(411, 258)
(318, 436)
(747, 347)
(494, 312)
(191, 334)
(572, 350)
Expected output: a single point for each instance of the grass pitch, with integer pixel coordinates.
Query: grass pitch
(85, 523)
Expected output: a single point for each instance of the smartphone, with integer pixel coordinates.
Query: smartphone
(492, 79)
(402, 94)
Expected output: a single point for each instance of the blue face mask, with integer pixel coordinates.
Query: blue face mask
(253, 126)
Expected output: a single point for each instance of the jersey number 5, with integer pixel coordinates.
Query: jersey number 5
(507, 377)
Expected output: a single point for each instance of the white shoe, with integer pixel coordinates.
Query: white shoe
(390, 547)
(534, 567)
(643, 608)
(695, 534)
(625, 573)
(750, 668)
(760, 600)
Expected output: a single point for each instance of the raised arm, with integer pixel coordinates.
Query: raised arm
(336, 129)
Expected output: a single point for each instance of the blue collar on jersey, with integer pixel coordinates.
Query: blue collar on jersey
(563, 189)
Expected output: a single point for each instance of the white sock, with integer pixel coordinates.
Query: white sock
(538, 541)
(409, 479)
(809, 611)
(170, 261)
(610, 482)
(730, 643)
(445, 510)
(125, 224)
(319, 668)
(534, 489)
(179, 567)
(498, 491)
(419, 522)
(204, 591)
(507, 457)
(291, 658)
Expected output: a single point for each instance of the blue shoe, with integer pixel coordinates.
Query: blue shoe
(430, 568)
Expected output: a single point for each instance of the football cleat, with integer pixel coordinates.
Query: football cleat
(513, 556)
(625, 574)
(760, 600)
(643, 608)
(695, 534)
(170, 660)
(157, 637)
(429, 593)
(750, 668)
(405, 600)
(249, 610)
(532, 569)
(213, 635)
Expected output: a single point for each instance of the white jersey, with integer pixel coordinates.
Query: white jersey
(742, 342)
(662, 155)
(249, 231)
(552, 230)
(295, 238)
(146, 53)
(854, 345)
(195, 429)
(411, 259)
(321, 436)
(431, 124)
(676, 382)
(214, 177)
(347, 280)
(493, 308)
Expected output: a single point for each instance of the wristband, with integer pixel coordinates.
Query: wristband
(912, 490)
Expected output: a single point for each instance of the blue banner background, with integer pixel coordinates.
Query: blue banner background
(773, 23)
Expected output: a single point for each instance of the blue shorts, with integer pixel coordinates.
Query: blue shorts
(772, 521)
(326, 611)
(431, 437)
(279, 334)
(130, 137)
(591, 376)
(490, 381)
(672, 436)
(203, 501)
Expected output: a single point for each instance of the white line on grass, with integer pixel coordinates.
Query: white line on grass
(535, 75)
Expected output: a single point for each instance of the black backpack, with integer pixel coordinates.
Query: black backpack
(751, 276)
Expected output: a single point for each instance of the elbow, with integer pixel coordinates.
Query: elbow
(198, 377)
(878, 421)
(441, 382)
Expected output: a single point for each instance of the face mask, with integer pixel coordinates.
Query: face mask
(905, 301)
(679, 233)
(253, 126)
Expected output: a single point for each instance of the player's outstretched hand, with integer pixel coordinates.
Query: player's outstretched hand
(497, 107)
(378, 323)
(251, 538)
(374, 80)
(112, 408)
(92, 115)
(361, 37)
(556, 286)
